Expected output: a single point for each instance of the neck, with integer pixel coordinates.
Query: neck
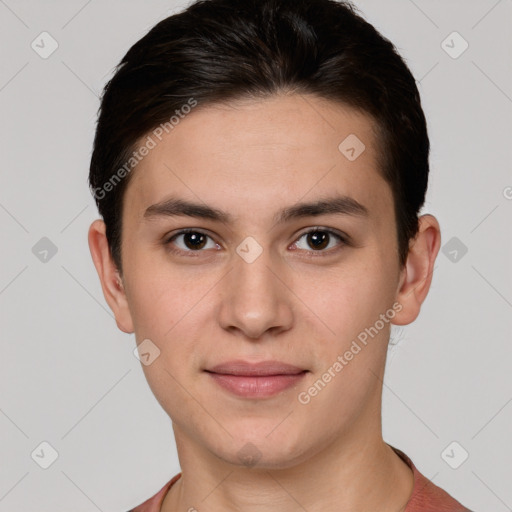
(355, 471)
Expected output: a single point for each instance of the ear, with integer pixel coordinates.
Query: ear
(416, 276)
(110, 278)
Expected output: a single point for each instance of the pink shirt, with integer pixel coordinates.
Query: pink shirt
(425, 497)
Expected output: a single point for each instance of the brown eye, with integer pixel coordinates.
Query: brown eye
(320, 240)
(194, 240)
(191, 241)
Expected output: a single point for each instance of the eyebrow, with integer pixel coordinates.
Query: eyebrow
(338, 205)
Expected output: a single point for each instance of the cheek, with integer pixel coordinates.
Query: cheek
(349, 297)
(151, 305)
(347, 303)
(159, 296)
(169, 307)
(165, 313)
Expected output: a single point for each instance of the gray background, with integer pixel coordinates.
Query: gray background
(68, 377)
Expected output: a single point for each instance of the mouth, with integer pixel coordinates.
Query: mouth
(256, 380)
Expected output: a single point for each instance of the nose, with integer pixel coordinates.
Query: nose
(255, 298)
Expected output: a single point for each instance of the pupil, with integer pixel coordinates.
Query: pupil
(319, 239)
(194, 240)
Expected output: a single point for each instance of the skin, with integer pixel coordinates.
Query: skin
(252, 158)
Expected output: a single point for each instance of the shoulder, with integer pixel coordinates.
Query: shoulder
(154, 503)
(426, 496)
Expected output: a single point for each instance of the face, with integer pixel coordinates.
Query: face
(260, 278)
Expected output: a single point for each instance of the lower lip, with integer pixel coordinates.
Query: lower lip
(256, 387)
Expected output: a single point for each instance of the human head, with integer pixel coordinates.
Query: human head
(247, 156)
(220, 50)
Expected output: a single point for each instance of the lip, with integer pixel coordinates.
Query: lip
(263, 368)
(256, 380)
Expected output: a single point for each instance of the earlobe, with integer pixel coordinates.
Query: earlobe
(416, 277)
(111, 282)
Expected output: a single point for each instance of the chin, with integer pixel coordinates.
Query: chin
(263, 451)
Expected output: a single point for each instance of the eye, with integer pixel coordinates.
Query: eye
(320, 240)
(191, 240)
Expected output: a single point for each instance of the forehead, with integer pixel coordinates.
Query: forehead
(253, 155)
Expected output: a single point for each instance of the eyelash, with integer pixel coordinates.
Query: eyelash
(321, 252)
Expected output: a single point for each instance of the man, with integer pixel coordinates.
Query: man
(259, 166)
